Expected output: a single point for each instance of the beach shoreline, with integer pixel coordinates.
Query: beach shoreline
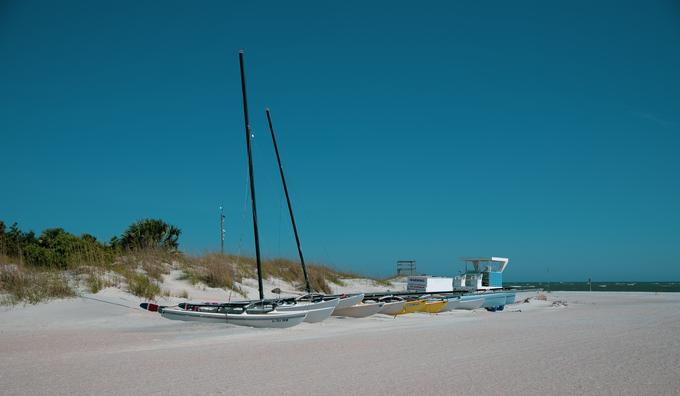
(599, 343)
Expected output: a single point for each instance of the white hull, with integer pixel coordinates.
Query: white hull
(306, 306)
(350, 301)
(468, 304)
(359, 310)
(272, 319)
(318, 315)
(392, 308)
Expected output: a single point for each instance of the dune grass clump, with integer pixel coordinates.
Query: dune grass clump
(319, 275)
(153, 262)
(22, 285)
(96, 282)
(142, 286)
(216, 270)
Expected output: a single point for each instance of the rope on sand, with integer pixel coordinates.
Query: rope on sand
(110, 302)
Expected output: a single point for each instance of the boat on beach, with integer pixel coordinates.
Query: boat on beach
(360, 310)
(494, 301)
(237, 314)
(510, 298)
(316, 312)
(412, 306)
(435, 306)
(316, 315)
(350, 301)
(344, 301)
(295, 305)
(392, 308)
(261, 313)
(392, 305)
(467, 304)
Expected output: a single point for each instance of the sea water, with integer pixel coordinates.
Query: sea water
(631, 286)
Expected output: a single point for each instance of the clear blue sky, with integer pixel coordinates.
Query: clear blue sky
(547, 132)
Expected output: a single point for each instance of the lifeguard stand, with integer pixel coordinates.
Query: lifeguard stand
(486, 274)
(406, 267)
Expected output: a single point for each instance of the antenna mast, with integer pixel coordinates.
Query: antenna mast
(221, 229)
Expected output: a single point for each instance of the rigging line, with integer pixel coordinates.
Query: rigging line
(110, 302)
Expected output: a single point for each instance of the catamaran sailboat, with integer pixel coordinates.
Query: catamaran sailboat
(259, 313)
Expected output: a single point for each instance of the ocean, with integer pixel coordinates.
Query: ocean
(600, 286)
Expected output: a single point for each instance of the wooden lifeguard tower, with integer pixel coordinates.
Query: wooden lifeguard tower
(406, 267)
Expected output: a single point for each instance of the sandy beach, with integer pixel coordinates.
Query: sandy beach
(599, 343)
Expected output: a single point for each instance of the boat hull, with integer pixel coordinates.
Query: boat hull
(318, 315)
(268, 320)
(435, 306)
(467, 304)
(349, 301)
(359, 310)
(510, 298)
(494, 302)
(305, 306)
(392, 308)
(412, 306)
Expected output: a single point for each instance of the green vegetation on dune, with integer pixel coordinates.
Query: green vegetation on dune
(56, 264)
(36, 268)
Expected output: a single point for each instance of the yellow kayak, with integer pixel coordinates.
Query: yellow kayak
(435, 306)
(413, 306)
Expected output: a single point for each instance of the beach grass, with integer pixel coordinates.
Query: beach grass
(141, 273)
(21, 284)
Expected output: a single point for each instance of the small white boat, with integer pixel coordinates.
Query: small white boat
(306, 306)
(392, 308)
(316, 312)
(345, 301)
(349, 301)
(359, 310)
(271, 319)
(392, 304)
(467, 304)
(493, 301)
(318, 315)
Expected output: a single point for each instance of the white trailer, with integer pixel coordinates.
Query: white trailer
(429, 284)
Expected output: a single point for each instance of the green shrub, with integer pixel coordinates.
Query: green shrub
(13, 241)
(39, 256)
(149, 234)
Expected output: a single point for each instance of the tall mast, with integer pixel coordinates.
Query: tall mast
(252, 176)
(290, 207)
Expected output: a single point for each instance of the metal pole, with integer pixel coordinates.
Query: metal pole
(222, 230)
(252, 176)
(290, 207)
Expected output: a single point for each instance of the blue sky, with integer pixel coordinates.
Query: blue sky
(547, 133)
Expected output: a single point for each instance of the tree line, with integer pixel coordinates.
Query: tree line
(57, 248)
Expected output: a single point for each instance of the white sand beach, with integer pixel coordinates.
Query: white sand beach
(599, 343)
